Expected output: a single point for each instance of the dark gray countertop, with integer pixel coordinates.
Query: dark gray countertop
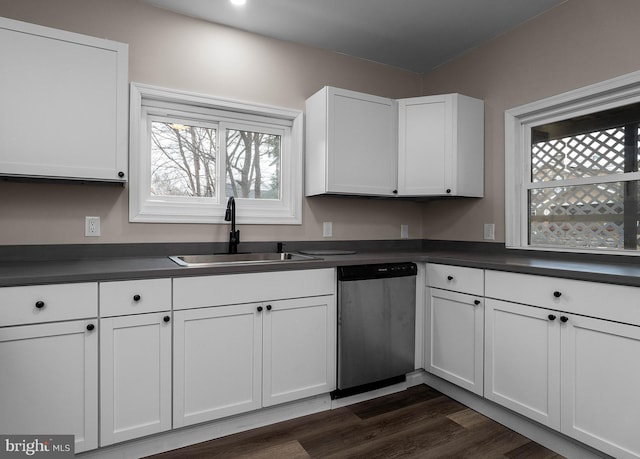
(625, 272)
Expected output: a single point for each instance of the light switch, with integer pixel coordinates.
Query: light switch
(327, 229)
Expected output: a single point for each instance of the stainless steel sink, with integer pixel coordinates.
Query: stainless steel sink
(239, 258)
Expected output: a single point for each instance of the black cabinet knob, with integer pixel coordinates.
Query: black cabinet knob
(166, 318)
(564, 318)
(551, 317)
(90, 327)
(476, 302)
(448, 190)
(449, 278)
(268, 307)
(259, 308)
(120, 174)
(39, 304)
(557, 294)
(395, 191)
(137, 297)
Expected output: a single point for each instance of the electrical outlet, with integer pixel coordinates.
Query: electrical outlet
(92, 226)
(489, 231)
(327, 229)
(404, 231)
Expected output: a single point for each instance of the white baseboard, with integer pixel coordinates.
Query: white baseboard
(186, 436)
(550, 439)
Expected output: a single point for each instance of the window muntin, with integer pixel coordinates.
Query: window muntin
(572, 170)
(268, 191)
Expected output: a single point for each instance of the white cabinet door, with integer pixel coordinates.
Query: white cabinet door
(64, 104)
(522, 360)
(454, 339)
(350, 143)
(217, 362)
(49, 380)
(299, 355)
(424, 144)
(600, 381)
(441, 146)
(135, 376)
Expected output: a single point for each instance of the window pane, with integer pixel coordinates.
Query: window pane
(584, 155)
(182, 160)
(253, 165)
(583, 216)
(592, 145)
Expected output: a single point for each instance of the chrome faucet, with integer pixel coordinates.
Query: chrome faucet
(230, 216)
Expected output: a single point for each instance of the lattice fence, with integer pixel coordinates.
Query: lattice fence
(585, 215)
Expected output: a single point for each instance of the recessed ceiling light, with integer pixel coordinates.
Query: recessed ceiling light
(238, 2)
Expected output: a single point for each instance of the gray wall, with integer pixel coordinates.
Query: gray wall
(578, 43)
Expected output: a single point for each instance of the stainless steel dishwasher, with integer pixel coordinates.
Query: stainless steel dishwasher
(376, 325)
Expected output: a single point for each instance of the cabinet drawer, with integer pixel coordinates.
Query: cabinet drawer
(199, 292)
(456, 278)
(47, 303)
(134, 297)
(619, 303)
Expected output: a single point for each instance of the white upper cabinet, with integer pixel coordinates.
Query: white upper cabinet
(441, 146)
(64, 103)
(350, 144)
(359, 144)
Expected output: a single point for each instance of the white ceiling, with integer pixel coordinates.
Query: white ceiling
(416, 35)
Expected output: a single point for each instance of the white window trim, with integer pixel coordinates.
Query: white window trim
(148, 209)
(518, 121)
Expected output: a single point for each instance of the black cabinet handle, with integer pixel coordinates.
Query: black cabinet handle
(166, 318)
(259, 308)
(395, 191)
(450, 278)
(136, 297)
(557, 294)
(90, 327)
(476, 302)
(551, 317)
(448, 190)
(564, 318)
(39, 304)
(268, 307)
(120, 174)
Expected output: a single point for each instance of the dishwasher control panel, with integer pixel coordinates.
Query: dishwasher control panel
(377, 271)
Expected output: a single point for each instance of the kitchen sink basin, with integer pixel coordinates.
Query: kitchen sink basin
(239, 258)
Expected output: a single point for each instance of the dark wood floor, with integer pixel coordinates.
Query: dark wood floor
(417, 423)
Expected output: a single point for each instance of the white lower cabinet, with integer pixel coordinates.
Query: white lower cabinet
(454, 347)
(600, 377)
(237, 358)
(49, 361)
(576, 374)
(299, 349)
(522, 360)
(135, 359)
(135, 375)
(49, 380)
(217, 353)
(454, 344)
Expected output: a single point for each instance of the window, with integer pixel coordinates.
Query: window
(572, 170)
(190, 153)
